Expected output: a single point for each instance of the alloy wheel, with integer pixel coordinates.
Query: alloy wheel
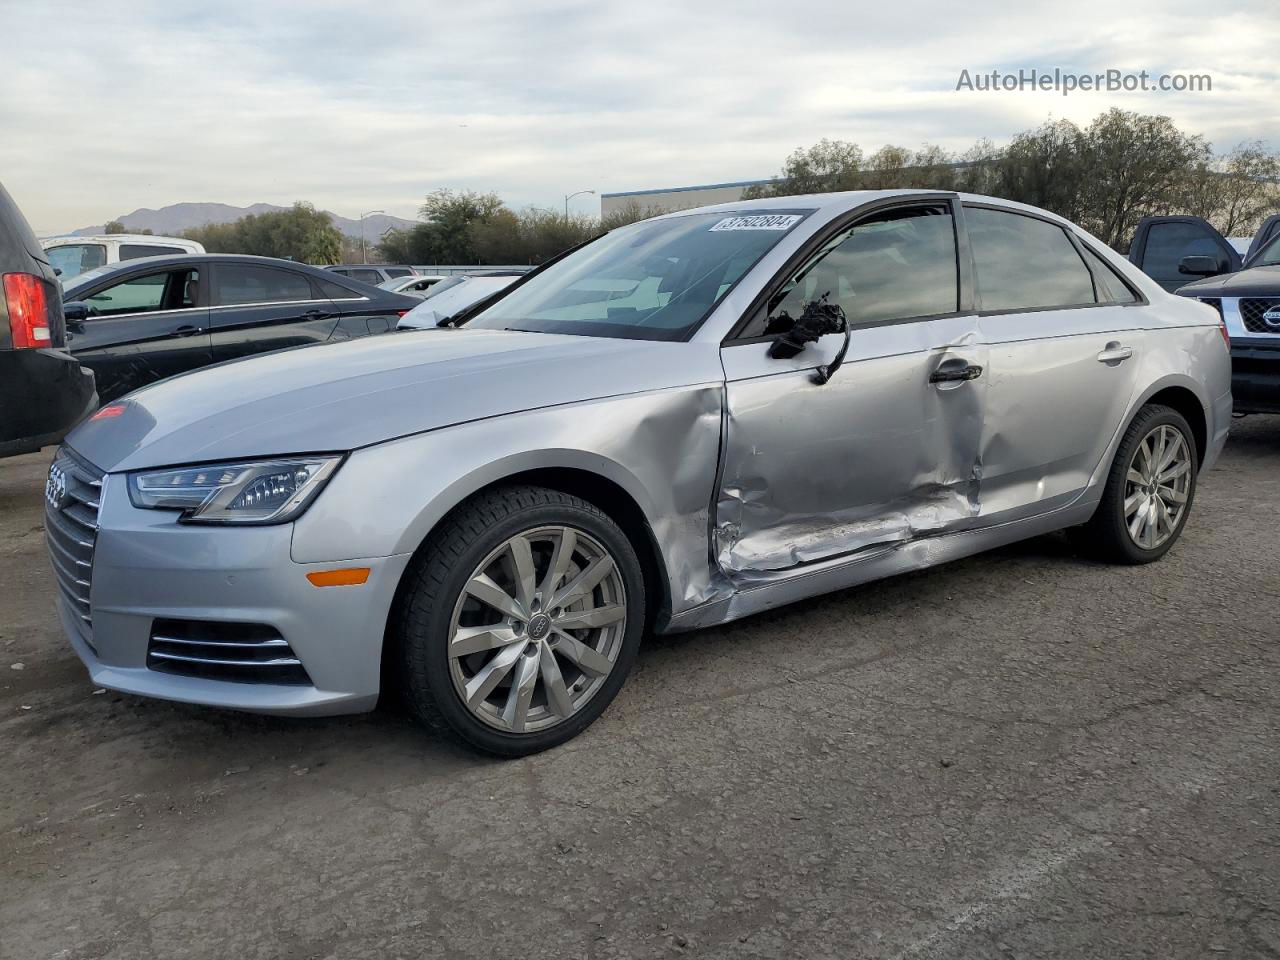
(537, 629)
(1157, 486)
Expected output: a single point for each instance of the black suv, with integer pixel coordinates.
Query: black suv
(43, 391)
(1244, 290)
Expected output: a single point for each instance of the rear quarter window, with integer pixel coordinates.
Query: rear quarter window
(1111, 287)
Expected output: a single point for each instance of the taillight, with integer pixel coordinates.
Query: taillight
(28, 310)
(401, 313)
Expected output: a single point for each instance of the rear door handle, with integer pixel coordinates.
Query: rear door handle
(186, 331)
(1114, 353)
(315, 314)
(955, 374)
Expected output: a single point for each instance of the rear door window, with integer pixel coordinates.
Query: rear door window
(1024, 263)
(368, 276)
(238, 283)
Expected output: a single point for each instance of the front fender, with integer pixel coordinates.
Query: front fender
(660, 447)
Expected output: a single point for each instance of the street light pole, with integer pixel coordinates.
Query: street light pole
(570, 196)
(364, 250)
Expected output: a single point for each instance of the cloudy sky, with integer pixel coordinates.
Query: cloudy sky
(109, 107)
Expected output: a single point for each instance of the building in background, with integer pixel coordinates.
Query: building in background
(675, 198)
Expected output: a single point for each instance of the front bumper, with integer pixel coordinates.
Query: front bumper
(146, 566)
(1255, 374)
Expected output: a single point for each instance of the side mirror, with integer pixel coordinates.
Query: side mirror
(1200, 266)
(76, 311)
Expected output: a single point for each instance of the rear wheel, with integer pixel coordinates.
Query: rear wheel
(520, 620)
(1149, 491)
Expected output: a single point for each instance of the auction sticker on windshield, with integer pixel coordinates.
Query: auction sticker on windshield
(773, 221)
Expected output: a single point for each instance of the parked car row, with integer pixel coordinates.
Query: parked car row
(139, 322)
(452, 295)
(1245, 290)
(686, 421)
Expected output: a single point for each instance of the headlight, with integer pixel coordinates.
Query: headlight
(260, 491)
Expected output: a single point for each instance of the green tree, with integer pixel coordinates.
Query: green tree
(629, 212)
(1235, 191)
(1136, 166)
(396, 246)
(825, 167)
(1045, 167)
(977, 170)
(113, 226)
(300, 233)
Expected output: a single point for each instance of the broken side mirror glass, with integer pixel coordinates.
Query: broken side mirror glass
(818, 319)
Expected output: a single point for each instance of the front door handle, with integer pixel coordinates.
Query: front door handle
(186, 331)
(955, 374)
(1114, 353)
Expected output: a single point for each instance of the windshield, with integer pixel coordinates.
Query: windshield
(1269, 255)
(653, 280)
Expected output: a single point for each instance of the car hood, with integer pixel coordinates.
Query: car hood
(340, 396)
(1254, 282)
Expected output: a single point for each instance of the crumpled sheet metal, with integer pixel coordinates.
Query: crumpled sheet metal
(871, 461)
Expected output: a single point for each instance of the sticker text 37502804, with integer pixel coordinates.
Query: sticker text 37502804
(764, 221)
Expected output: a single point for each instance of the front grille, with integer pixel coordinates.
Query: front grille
(1251, 311)
(211, 650)
(72, 496)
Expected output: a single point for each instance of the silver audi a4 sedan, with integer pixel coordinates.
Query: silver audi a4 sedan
(683, 422)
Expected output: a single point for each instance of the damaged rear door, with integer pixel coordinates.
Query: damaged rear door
(1065, 346)
(886, 450)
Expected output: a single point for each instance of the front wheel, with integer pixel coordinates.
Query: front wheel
(1149, 491)
(520, 620)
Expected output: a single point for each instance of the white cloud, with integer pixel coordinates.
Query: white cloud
(108, 108)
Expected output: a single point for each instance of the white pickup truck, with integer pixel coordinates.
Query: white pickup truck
(71, 256)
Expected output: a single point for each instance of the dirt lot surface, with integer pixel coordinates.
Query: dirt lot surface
(1018, 755)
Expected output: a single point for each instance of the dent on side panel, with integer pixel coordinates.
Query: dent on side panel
(660, 447)
(875, 458)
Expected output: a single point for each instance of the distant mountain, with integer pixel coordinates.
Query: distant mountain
(177, 217)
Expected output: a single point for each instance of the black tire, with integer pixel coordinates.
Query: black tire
(1106, 535)
(435, 580)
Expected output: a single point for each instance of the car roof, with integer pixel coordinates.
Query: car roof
(851, 199)
(186, 259)
(130, 237)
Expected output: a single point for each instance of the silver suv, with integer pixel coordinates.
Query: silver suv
(684, 422)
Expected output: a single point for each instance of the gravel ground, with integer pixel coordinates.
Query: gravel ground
(1023, 755)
